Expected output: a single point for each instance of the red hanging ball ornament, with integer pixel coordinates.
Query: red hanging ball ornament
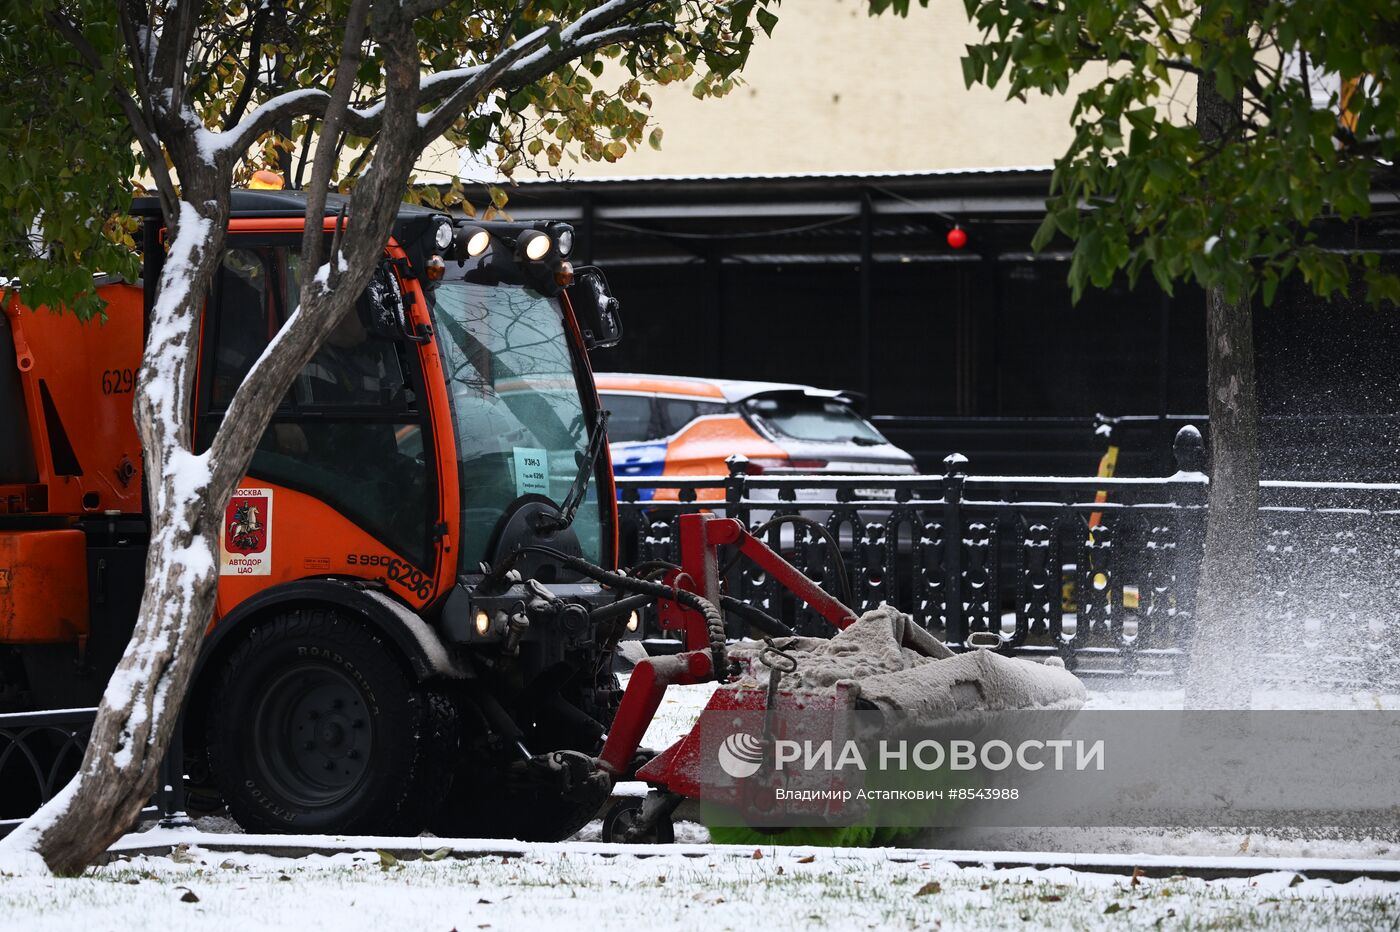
(957, 237)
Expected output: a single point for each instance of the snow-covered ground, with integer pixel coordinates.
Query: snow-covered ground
(696, 885)
(574, 886)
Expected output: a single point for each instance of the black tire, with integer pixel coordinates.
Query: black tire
(624, 814)
(316, 725)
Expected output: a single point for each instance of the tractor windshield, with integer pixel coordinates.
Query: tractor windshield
(520, 419)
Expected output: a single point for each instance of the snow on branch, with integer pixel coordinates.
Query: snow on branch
(435, 123)
(300, 102)
(455, 87)
(546, 60)
(600, 18)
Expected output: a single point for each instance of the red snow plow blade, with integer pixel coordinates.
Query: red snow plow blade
(883, 641)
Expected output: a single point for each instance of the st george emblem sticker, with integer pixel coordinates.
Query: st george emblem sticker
(245, 547)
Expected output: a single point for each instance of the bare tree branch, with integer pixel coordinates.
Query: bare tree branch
(302, 102)
(326, 153)
(305, 153)
(360, 160)
(172, 49)
(586, 34)
(250, 70)
(536, 66)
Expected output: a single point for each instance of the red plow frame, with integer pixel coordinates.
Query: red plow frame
(676, 772)
(701, 535)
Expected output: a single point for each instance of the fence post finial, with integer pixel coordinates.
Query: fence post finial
(734, 489)
(1189, 450)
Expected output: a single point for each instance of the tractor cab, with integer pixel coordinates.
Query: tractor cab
(448, 425)
(449, 420)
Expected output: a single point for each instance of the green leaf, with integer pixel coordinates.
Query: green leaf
(1044, 233)
(970, 70)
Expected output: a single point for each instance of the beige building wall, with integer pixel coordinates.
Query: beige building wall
(835, 89)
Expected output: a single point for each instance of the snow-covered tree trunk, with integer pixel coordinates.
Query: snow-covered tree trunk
(135, 720)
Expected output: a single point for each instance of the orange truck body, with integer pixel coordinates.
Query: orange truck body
(77, 380)
(43, 587)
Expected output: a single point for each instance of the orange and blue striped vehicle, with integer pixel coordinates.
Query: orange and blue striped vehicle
(662, 425)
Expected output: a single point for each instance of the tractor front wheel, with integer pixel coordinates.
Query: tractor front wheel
(316, 726)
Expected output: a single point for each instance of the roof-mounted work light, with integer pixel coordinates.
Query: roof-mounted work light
(531, 254)
(266, 181)
(532, 245)
(443, 235)
(470, 241)
(564, 240)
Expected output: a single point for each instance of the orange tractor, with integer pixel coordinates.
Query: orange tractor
(356, 667)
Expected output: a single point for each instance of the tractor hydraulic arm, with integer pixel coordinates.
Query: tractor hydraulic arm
(701, 536)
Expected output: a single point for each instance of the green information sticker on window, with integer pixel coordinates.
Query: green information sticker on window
(531, 471)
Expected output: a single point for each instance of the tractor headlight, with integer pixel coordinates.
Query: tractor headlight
(472, 241)
(533, 245)
(443, 236)
(482, 622)
(565, 241)
(633, 622)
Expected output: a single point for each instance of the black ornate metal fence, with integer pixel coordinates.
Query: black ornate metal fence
(1101, 572)
(41, 751)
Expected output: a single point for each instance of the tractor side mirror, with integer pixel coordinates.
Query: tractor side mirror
(381, 306)
(598, 313)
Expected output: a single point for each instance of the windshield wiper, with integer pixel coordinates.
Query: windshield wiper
(587, 463)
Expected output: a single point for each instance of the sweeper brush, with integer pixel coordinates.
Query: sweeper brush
(881, 661)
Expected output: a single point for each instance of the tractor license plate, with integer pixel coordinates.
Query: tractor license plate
(883, 495)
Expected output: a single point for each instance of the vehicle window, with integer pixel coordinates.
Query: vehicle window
(245, 315)
(676, 413)
(802, 417)
(373, 472)
(521, 424)
(369, 462)
(630, 418)
(257, 290)
(351, 369)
